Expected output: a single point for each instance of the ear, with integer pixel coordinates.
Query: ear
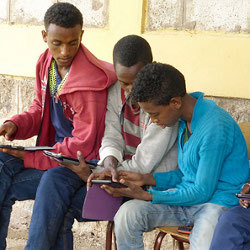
(176, 102)
(81, 35)
(44, 35)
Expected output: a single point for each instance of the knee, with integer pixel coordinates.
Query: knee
(63, 174)
(10, 163)
(122, 213)
(50, 180)
(127, 210)
(56, 172)
(54, 176)
(58, 184)
(5, 157)
(229, 217)
(129, 214)
(47, 180)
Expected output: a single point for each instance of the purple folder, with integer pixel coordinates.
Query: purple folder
(99, 205)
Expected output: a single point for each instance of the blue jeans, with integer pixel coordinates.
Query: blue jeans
(233, 230)
(59, 199)
(16, 183)
(135, 217)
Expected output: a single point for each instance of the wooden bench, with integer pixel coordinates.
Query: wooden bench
(109, 236)
(179, 237)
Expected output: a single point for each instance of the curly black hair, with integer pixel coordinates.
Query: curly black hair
(132, 49)
(158, 83)
(64, 15)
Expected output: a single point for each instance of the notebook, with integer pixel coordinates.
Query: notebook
(99, 205)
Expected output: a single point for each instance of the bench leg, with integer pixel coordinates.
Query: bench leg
(109, 235)
(180, 245)
(158, 240)
(114, 236)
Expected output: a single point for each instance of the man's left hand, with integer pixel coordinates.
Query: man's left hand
(245, 190)
(82, 170)
(16, 153)
(132, 191)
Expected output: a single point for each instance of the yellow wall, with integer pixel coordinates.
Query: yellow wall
(216, 63)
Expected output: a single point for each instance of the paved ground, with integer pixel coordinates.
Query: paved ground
(87, 236)
(88, 241)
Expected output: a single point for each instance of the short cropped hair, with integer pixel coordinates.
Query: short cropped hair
(64, 15)
(132, 49)
(158, 83)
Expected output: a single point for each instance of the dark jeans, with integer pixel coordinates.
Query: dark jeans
(233, 230)
(16, 183)
(59, 199)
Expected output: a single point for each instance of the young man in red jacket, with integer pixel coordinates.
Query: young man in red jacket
(67, 113)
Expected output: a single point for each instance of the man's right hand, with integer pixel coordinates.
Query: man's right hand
(82, 170)
(137, 178)
(110, 164)
(132, 190)
(8, 129)
(104, 175)
(245, 190)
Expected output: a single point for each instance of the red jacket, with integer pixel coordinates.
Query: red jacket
(84, 98)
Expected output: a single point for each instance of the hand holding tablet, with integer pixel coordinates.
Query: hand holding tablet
(66, 159)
